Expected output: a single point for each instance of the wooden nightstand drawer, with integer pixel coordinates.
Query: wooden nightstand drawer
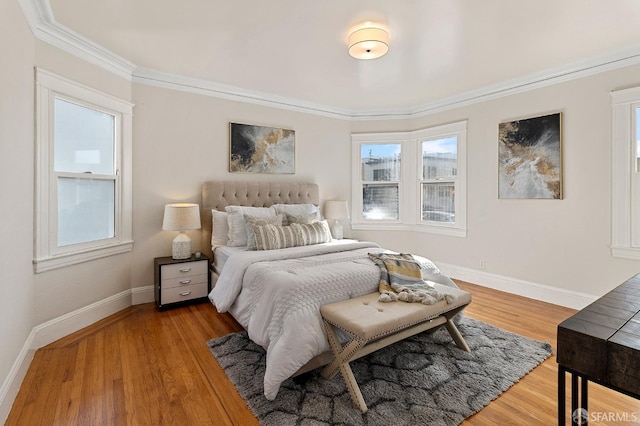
(182, 281)
(185, 269)
(187, 292)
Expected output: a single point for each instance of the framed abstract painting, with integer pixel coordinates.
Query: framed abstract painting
(259, 149)
(530, 158)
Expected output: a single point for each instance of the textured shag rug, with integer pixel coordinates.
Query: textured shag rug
(423, 380)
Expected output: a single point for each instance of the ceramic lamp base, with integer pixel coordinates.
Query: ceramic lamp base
(336, 230)
(181, 247)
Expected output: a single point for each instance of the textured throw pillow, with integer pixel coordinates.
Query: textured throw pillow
(237, 226)
(252, 221)
(312, 233)
(272, 237)
(220, 230)
(300, 218)
(298, 209)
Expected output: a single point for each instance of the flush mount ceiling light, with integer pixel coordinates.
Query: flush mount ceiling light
(368, 42)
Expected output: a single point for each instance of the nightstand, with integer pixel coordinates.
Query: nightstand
(181, 281)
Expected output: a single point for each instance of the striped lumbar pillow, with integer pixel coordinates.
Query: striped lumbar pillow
(272, 237)
(312, 233)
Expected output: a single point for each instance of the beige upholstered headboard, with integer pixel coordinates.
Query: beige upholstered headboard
(219, 194)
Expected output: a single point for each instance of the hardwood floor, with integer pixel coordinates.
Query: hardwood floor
(145, 367)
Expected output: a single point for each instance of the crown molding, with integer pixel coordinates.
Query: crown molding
(166, 80)
(40, 17)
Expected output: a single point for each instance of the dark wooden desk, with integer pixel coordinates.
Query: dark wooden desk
(600, 343)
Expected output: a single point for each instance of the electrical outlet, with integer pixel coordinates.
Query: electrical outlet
(483, 264)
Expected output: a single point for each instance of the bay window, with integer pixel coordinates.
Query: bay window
(411, 180)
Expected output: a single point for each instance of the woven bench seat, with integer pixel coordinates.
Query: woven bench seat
(373, 325)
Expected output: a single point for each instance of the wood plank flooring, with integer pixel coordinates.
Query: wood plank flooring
(145, 367)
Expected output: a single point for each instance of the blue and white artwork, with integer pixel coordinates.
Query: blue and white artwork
(530, 158)
(259, 149)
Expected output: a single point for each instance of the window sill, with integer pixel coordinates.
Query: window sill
(428, 229)
(60, 261)
(626, 252)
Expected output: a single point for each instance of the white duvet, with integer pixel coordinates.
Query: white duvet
(276, 296)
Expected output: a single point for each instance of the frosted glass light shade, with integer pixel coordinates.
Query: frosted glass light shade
(368, 43)
(181, 217)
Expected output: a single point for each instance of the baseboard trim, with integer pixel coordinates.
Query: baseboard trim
(545, 293)
(64, 325)
(12, 383)
(50, 331)
(140, 295)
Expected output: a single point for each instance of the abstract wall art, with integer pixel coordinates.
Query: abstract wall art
(530, 158)
(259, 149)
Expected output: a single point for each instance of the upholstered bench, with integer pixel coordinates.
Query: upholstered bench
(372, 325)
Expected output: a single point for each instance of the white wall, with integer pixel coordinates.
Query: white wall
(16, 193)
(563, 244)
(182, 140)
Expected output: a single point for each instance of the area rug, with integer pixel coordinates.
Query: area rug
(423, 380)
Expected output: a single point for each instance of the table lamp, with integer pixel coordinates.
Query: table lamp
(336, 210)
(181, 217)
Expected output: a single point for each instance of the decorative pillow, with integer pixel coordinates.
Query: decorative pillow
(388, 277)
(237, 226)
(272, 237)
(312, 233)
(251, 221)
(220, 229)
(300, 218)
(298, 209)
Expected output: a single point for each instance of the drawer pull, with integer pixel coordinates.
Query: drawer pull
(185, 282)
(186, 293)
(185, 269)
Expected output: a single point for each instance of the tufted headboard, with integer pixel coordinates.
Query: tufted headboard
(218, 194)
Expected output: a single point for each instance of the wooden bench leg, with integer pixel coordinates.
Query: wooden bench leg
(341, 363)
(457, 337)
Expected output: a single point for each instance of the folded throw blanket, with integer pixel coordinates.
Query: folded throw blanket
(401, 280)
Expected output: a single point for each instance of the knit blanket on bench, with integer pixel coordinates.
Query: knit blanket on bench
(401, 279)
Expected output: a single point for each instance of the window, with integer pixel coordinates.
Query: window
(625, 208)
(380, 173)
(439, 160)
(83, 185)
(411, 180)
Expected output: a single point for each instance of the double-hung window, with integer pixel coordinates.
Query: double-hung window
(83, 185)
(380, 170)
(411, 180)
(437, 179)
(625, 207)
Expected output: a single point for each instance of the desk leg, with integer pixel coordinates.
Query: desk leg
(584, 398)
(561, 395)
(574, 396)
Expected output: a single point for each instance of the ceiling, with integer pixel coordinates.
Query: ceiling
(296, 49)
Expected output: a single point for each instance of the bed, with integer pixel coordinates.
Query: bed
(276, 294)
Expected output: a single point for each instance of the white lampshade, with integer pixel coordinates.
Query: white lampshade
(336, 210)
(368, 43)
(181, 217)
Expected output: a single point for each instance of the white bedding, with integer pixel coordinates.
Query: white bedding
(276, 295)
(221, 254)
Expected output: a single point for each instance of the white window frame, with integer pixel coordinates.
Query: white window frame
(410, 197)
(625, 178)
(47, 254)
